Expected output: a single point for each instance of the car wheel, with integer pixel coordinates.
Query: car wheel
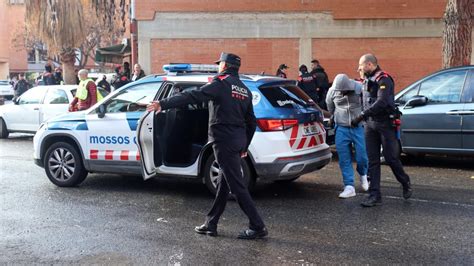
(63, 165)
(212, 174)
(3, 129)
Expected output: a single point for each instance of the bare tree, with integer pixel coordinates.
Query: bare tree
(457, 34)
(61, 25)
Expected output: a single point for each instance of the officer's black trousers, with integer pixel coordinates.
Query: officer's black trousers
(228, 158)
(382, 134)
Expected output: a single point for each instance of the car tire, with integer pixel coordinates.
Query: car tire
(63, 165)
(3, 129)
(212, 172)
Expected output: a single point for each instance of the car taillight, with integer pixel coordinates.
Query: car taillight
(276, 124)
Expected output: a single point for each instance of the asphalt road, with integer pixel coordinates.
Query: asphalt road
(113, 219)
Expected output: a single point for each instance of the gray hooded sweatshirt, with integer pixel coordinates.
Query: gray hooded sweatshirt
(344, 100)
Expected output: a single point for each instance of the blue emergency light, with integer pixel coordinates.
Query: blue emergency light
(190, 68)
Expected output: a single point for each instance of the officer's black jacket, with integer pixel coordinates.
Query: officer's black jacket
(378, 95)
(231, 113)
(308, 85)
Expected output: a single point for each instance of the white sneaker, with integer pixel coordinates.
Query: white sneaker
(364, 183)
(349, 191)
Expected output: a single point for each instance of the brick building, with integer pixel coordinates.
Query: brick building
(406, 35)
(12, 58)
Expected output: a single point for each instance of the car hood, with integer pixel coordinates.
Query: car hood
(73, 116)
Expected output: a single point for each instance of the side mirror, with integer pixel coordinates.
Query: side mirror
(416, 101)
(101, 111)
(16, 100)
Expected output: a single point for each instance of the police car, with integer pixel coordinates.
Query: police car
(117, 135)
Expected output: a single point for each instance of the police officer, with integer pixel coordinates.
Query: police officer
(378, 105)
(232, 124)
(307, 83)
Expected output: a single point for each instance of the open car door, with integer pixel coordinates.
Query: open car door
(149, 157)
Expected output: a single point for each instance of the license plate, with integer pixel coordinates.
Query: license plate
(310, 130)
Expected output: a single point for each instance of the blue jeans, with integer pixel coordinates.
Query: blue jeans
(345, 138)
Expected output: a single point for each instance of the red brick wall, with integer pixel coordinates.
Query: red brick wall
(341, 9)
(406, 59)
(257, 54)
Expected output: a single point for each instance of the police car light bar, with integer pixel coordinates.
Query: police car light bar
(190, 68)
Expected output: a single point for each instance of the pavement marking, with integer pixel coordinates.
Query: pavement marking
(433, 201)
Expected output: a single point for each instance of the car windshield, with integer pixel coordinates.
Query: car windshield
(286, 96)
(4, 82)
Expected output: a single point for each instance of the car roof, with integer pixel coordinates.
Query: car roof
(207, 77)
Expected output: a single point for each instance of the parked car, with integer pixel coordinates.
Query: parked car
(118, 136)
(438, 113)
(35, 106)
(6, 89)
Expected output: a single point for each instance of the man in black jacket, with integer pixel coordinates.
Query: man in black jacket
(232, 124)
(21, 86)
(378, 106)
(322, 82)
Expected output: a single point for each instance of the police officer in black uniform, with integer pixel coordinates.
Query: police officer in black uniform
(379, 105)
(307, 83)
(232, 124)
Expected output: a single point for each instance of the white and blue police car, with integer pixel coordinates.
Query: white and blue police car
(117, 135)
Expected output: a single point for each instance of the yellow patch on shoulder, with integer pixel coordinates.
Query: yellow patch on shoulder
(382, 87)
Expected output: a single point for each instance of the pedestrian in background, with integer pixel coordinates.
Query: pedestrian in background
(86, 94)
(307, 84)
(126, 70)
(20, 86)
(138, 72)
(322, 82)
(378, 110)
(232, 125)
(58, 76)
(48, 76)
(281, 71)
(120, 78)
(344, 103)
(104, 84)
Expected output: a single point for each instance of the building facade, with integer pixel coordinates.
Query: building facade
(405, 35)
(13, 58)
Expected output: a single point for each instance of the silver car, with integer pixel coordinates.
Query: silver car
(438, 113)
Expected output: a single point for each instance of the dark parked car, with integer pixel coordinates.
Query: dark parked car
(438, 113)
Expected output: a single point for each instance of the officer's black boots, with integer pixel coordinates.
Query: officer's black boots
(407, 191)
(252, 234)
(371, 202)
(205, 230)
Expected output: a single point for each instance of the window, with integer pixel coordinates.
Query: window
(16, 2)
(469, 90)
(33, 96)
(408, 95)
(133, 99)
(285, 96)
(444, 88)
(55, 96)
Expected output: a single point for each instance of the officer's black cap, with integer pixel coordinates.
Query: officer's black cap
(229, 58)
(283, 66)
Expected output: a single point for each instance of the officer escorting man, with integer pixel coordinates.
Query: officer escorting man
(232, 124)
(378, 106)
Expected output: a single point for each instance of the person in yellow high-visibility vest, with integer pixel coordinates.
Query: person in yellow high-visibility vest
(86, 94)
